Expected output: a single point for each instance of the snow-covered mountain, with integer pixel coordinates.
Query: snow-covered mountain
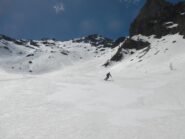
(39, 56)
(159, 17)
(27, 56)
(144, 99)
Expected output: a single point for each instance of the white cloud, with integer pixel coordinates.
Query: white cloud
(59, 8)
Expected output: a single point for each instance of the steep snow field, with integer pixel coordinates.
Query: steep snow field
(145, 99)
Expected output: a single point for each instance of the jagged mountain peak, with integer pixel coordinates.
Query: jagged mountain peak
(40, 56)
(159, 17)
(96, 40)
(153, 7)
(6, 37)
(163, 19)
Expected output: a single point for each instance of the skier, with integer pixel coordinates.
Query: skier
(107, 76)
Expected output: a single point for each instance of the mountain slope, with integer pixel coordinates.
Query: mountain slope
(144, 100)
(25, 56)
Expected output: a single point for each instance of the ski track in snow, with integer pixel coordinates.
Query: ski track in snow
(76, 103)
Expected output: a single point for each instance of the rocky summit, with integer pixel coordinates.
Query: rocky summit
(95, 40)
(159, 17)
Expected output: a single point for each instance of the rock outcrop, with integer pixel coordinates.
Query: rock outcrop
(96, 40)
(159, 17)
(127, 49)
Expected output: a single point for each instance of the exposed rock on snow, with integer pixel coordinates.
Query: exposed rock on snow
(161, 12)
(55, 54)
(128, 47)
(96, 40)
(145, 98)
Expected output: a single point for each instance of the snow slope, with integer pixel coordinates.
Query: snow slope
(28, 57)
(144, 100)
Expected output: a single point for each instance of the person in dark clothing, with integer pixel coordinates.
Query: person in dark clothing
(108, 75)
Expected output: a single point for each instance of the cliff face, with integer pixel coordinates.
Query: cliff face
(159, 17)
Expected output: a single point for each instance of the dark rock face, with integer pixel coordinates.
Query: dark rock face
(126, 49)
(180, 8)
(47, 43)
(127, 45)
(133, 44)
(159, 17)
(96, 40)
(6, 38)
(18, 42)
(29, 55)
(34, 43)
(118, 41)
(118, 56)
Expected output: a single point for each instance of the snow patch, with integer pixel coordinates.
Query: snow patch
(173, 26)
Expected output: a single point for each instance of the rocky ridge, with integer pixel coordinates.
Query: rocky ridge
(157, 18)
(163, 19)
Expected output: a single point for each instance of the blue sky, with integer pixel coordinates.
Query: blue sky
(66, 19)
